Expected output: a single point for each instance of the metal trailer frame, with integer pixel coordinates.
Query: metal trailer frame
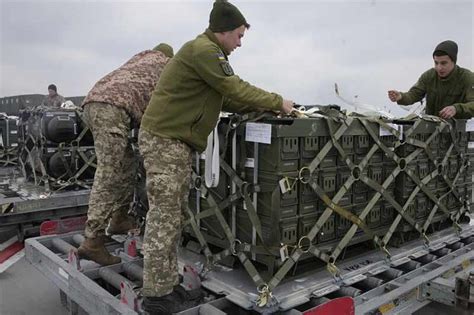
(33, 205)
(414, 276)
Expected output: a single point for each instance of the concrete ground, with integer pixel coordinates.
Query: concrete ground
(25, 291)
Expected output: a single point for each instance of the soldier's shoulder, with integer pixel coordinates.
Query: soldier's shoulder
(430, 73)
(202, 44)
(466, 73)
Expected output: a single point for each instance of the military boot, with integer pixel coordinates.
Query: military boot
(175, 302)
(120, 224)
(94, 249)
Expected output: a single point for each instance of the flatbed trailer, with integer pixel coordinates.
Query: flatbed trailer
(24, 206)
(413, 277)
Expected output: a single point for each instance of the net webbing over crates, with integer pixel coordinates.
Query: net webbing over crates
(320, 184)
(56, 149)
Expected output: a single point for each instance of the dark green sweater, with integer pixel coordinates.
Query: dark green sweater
(457, 90)
(194, 87)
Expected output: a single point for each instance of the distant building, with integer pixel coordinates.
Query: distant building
(11, 105)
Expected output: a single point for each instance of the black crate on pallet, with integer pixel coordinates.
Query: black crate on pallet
(210, 226)
(422, 210)
(343, 174)
(362, 144)
(327, 180)
(374, 217)
(275, 231)
(309, 207)
(328, 230)
(342, 226)
(387, 214)
(329, 161)
(306, 193)
(310, 146)
(325, 234)
(8, 132)
(347, 144)
(270, 187)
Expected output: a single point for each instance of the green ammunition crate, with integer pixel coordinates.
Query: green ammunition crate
(387, 214)
(274, 231)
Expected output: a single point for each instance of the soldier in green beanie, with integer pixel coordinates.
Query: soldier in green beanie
(196, 85)
(449, 89)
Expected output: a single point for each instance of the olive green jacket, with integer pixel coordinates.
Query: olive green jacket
(457, 90)
(196, 84)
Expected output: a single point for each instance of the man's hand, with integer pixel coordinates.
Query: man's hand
(447, 112)
(287, 106)
(394, 96)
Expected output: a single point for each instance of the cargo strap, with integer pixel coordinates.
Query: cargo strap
(235, 247)
(211, 163)
(9, 156)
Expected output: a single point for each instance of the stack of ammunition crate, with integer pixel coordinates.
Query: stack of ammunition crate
(402, 179)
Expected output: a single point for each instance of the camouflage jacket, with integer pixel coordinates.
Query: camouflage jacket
(195, 86)
(54, 101)
(457, 90)
(130, 86)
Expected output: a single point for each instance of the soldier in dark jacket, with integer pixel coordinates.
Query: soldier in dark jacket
(449, 89)
(53, 99)
(195, 86)
(112, 107)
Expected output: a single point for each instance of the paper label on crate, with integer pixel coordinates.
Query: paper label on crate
(470, 125)
(386, 132)
(249, 162)
(470, 145)
(261, 133)
(284, 185)
(14, 144)
(284, 253)
(13, 132)
(63, 273)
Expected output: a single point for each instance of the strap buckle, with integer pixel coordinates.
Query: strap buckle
(264, 296)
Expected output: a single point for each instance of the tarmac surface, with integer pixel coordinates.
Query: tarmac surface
(25, 291)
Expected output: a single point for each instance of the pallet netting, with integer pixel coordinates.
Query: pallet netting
(56, 149)
(325, 183)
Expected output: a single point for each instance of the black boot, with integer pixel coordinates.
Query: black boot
(176, 301)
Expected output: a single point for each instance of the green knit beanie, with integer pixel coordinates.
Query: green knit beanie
(448, 47)
(225, 17)
(165, 49)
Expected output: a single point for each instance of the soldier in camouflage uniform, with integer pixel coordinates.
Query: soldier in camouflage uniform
(195, 86)
(53, 99)
(449, 89)
(114, 105)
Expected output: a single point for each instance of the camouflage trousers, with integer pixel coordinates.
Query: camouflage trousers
(114, 178)
(168, 175)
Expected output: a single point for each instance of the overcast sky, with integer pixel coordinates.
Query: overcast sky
(296, 48)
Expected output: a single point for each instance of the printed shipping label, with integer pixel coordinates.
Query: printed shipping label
(385, 132)
(249, 162)
(261, 133)
(470, 125)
